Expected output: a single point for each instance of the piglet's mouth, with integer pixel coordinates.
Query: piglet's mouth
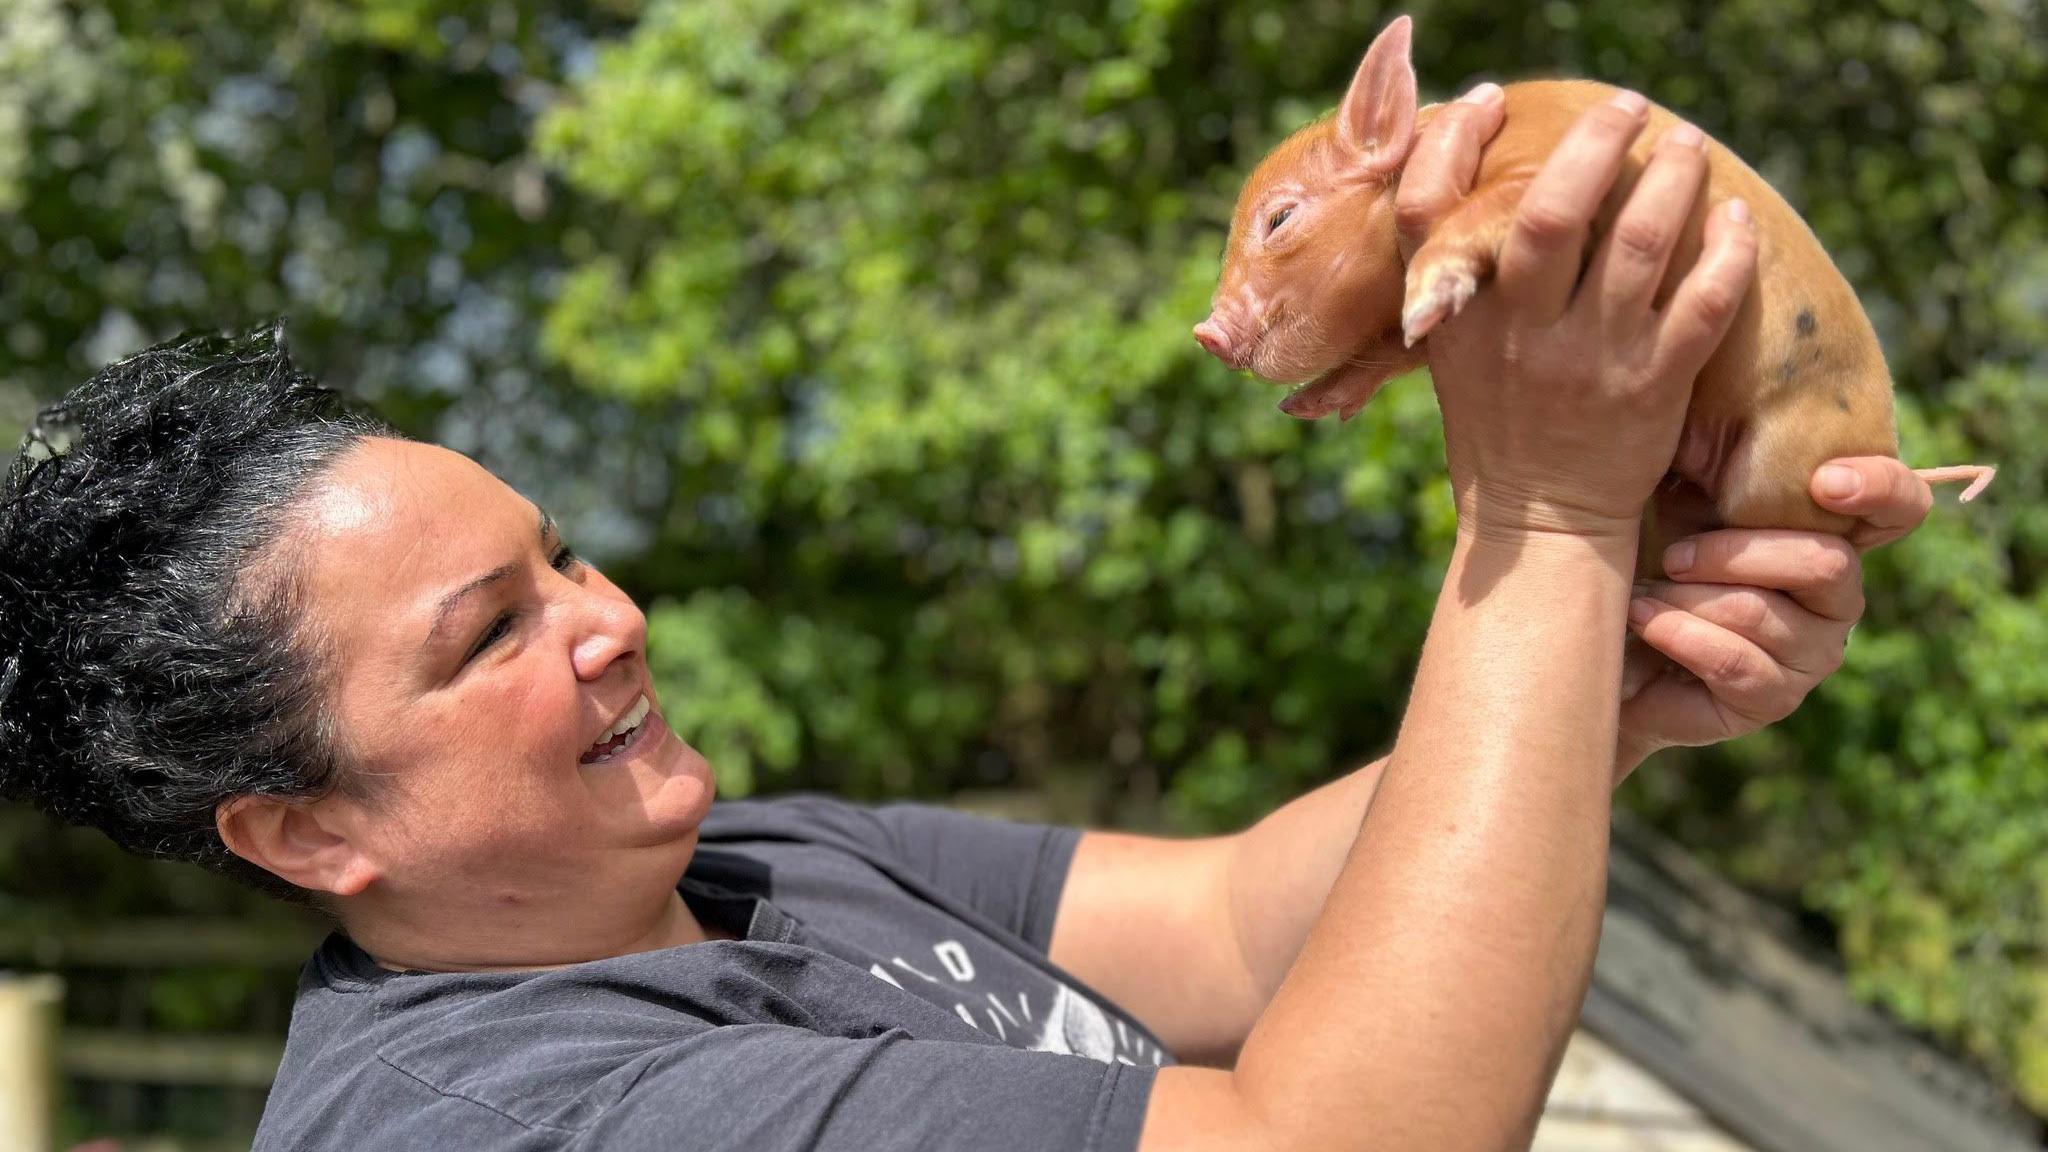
(1343, 391)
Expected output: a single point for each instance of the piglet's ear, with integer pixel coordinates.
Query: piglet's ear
(1377, 119)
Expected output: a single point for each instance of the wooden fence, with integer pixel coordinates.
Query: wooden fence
(118, 1071)
(28, 1062)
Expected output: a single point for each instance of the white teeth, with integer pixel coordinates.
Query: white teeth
(630, 720)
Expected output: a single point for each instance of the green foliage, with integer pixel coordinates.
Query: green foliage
(854, 338)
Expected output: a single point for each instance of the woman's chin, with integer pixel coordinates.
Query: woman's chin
(664, 781)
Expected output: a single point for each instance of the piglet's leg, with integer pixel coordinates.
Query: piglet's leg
(1460, 255)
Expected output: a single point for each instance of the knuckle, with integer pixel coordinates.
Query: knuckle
(1728, 664)
(1451, 120)
(1781, 704)
(1836, 563)
(1716, 550)
(1415, 211)
(1641, 237)
(1607, 120)
(1715, 299)
(1546, 221)
(1791, 690)
(1749, 612)
(1459, 120)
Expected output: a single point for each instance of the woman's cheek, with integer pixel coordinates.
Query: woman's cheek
(531, 712)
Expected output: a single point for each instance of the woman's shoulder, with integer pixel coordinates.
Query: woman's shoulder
(795, 816)
(547, 1051)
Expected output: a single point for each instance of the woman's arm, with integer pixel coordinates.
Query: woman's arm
(1446, 966)
(1195, 936)
(1436, 989)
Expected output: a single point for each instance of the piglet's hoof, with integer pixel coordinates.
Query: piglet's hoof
(1436, 291)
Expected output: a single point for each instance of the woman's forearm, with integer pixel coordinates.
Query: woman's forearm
(1433, 994)
(1436, 990)
(1283, 867)
(1281, 873)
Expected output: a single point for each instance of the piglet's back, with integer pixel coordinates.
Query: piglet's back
(1800, 378)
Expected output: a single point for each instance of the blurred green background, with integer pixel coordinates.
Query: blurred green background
(852, 339)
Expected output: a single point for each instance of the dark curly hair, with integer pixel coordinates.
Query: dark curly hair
(150, 667)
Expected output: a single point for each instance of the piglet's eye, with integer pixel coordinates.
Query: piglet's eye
(1274, 221)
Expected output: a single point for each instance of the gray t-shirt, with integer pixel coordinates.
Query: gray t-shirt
(891, 991)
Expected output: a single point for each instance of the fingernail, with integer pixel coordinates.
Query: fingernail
(1640, 611)
(1839, 483)
(1485, 93)
(1738, 211)
(1679, 557)
(1632, 103)
(1686, 136)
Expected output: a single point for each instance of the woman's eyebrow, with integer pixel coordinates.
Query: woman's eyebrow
(453, 600)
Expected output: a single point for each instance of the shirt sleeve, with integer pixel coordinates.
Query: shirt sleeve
(1013, 873)
(769, 1088)
(1010, 872)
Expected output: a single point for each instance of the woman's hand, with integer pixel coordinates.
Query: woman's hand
(1563, 396)
(1756, 619)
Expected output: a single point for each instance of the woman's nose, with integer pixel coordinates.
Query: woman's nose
(612, 629)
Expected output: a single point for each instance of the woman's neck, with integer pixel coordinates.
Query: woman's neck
(516, 939)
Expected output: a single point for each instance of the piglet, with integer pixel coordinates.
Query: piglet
(1314, 292)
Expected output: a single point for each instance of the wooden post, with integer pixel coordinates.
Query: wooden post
(28, 1061)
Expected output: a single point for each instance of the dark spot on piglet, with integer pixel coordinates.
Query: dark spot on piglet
(1841, 400)
(1806, 322)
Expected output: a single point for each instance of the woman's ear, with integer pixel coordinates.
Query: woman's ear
(296, 841)
(1376, 122)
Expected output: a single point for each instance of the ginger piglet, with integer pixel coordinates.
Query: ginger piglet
(1314, 292)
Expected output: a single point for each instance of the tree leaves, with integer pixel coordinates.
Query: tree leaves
(852, 338)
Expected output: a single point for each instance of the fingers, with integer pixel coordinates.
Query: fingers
(1682, 712)
(1887, 496)
(1757, 617)
(1639, 666)
(1707, 299)
(1737, 674)
(1633, 255)
(1444, 163)
(1745, 658)
(1821, 572)
(1803, 641)
(1540, 261)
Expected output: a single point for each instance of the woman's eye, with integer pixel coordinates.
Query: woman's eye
(1274, 221)
(498, 628)
(564, 561)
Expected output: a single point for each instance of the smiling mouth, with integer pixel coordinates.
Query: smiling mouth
(623, 735)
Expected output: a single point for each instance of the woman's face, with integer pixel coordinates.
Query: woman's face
(475, 672)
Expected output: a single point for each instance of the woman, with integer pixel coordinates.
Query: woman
(243, 629)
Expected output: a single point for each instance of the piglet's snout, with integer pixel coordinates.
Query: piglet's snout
(1221, 342)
